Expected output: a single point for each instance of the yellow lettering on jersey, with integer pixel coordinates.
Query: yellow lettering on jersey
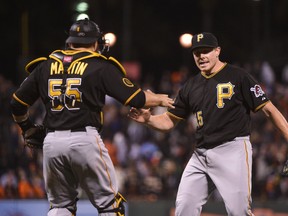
(80, 68)
(56, 68)
(76, 71)
(72, 91)
(72, 69)
(224, 91)
(54, 91)
(199, 117)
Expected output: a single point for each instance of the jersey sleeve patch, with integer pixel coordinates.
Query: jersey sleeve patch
(257, 90)
(33, 64)
(127, 82)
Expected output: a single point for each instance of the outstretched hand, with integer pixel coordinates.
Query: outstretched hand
(163, 99)
(139, 115)
(166, 101)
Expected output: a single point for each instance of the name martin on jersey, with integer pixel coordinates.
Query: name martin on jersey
(76, 67)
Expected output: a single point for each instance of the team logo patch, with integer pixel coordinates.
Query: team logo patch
(257, 90)
(127, 82)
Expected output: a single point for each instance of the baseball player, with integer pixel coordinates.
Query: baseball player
(72, 84)
(221, 96)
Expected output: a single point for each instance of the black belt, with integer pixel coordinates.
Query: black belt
(81, 129)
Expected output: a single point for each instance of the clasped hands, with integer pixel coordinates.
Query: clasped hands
(142, 115)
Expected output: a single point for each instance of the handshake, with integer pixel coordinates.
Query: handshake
(153, 100)
(161, 122)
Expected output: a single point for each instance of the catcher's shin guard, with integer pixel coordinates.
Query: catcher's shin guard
(119, 209)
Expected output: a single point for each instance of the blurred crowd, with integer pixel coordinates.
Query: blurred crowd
(148, 163)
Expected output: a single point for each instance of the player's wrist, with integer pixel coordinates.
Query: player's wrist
(25, 125)
(147, 118)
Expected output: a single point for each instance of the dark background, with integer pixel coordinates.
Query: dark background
(148, 30)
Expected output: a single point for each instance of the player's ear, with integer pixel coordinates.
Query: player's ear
(218, 51)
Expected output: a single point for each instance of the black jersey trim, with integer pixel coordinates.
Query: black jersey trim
(33, 64)
(260, 106)
(20, 101)
(132, 96)
(174, 116)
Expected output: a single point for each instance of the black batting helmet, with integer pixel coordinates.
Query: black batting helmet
(84, 31)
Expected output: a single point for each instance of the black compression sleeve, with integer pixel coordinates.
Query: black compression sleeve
(17, 108)
(25, 125)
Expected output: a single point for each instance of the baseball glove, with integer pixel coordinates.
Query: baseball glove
(34, 137)
(284, 171)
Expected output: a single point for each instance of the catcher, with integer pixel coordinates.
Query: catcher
(73, 84)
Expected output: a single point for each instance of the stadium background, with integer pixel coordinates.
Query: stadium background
(252, 34)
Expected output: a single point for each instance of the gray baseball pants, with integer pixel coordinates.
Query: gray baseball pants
(77, 159)
(226, 167)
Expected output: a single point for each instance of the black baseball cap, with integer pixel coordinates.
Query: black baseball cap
(84, 31)
(204, 39)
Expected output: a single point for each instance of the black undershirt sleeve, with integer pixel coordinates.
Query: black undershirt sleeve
(17, 108)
